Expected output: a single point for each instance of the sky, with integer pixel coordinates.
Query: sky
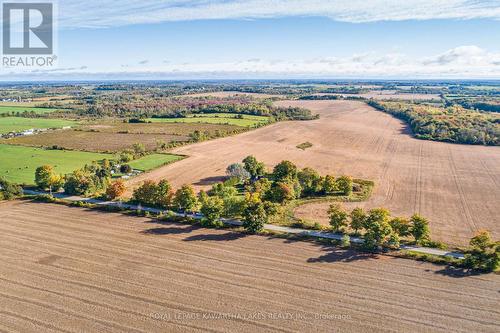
(272, 39)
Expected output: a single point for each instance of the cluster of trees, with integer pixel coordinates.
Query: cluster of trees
(154, 194)
(137, 106)
(378, 227)
(345, 90)
(258, 205)
(256, 109)
(452, 124)
(9, 190)
(263, 193)
(320, 97)
(92, 179)
(483, 253)
(477, 104)
(221, 201)
(287, 182)
(198, 135)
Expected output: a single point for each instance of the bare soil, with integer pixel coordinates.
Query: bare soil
(76, 270)
(455, 186)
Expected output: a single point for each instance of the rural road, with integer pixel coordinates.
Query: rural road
(272, 227)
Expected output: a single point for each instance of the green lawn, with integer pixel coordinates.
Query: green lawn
(153, 161)
(21, 109)
(18, 163)
(10, 124)
(216, 118)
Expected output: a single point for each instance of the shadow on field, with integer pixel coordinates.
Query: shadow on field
(456, 272)
(333, 253)
(211, 180)
(228, 236)
(339, 255)
(175, 230)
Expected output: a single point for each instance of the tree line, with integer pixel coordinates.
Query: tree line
(138, 107)
(453, 124)
(256, 197)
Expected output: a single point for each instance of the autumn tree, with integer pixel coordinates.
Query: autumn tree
(202, 197)
(146, 193)
(419, 228)
(43, 175)
(358, 219)
(164, 195)
(46, 178)
(91, 179)
(116, 189)
(338, 216)
(310, 181)
(329, 184)
(257, 212)
(285, 171)
(378, 230)
(261, 186)
(9, 190)
(344, 185)
(401, 226)
(255, 168)
(483, 253)
(154, 194)
(138, 149)
(212, 209)
(280, 192)
(185, 199)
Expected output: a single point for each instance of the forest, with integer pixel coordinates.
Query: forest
(451, 124)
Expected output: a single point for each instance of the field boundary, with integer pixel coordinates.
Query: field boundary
(235, 222)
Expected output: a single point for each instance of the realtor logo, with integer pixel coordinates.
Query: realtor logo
(28, 28)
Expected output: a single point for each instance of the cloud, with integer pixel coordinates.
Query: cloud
(468, 55)
(143, 62)
(107, 13)
(464, 62)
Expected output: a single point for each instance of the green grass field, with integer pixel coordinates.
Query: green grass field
(216, 118)
(18, 163)
(154, 161)
(21, 109)
(10, 124)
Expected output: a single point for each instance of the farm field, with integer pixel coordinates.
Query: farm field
(93, 141)
(179, 129)
(455, 186)
(16, 124)
(18, 163)
(110, 136)
(216, 118)
(73, 269)
(153, 161)
(19, 104)
(14, 108)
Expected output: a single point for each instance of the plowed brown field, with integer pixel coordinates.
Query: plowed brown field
(456, 186)
(75, 270)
